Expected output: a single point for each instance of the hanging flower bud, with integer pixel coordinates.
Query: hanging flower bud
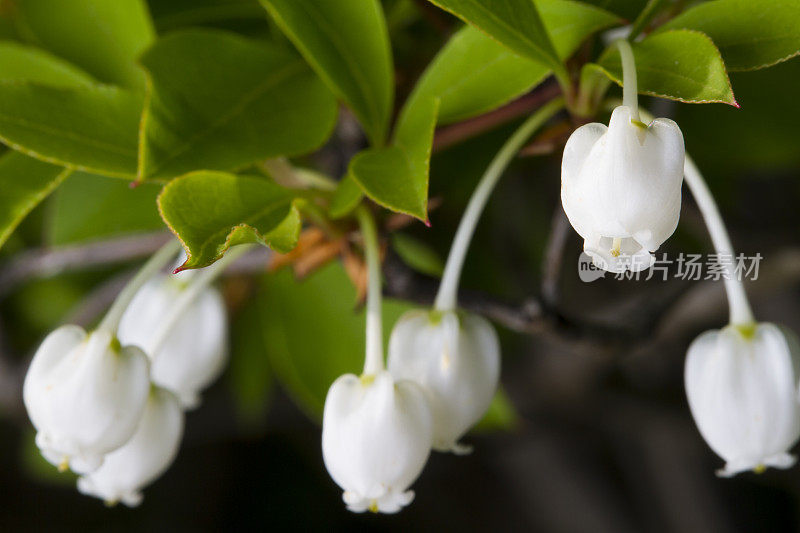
(455, 357)
(85, 395)
(621, 188)
(741, 383)
(127, 470)
(376, 438)
(192, 353)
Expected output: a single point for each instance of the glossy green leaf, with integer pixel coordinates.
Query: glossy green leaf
(115, 209)
(219, 101)
(348, 45)
(569, 23)
(465, 75)
(211, 211)
(103, 37)
(90, 128)
(680, 65)
(309, 350)
(627, 9)
(515, 23)
(186, 13)
(385, 175)
(19, 62)
(24, 183)
(396, 177)
(345, 198)
(750, 35)
(418, 255)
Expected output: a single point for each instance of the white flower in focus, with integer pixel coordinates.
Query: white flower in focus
(621, 188)
(84, 394)
(376, 438)
(127, 470)
(742, 386)
(455, 357)
(194, 352)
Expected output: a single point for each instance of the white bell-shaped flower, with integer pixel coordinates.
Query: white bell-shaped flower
(194, 351)
(455, 357)
(151, 450)
(376, 438)
(84, 394)
(742, 386)
(621, 188)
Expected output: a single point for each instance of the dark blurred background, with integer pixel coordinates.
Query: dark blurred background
(596, 435)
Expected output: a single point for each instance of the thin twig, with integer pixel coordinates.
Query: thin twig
(461, 131)
(553, 257)
(47, 261)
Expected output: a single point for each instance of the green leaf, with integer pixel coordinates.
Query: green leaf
(183, 13)
(115, 209)
(211, 211)
(750, 35)
(569, 23)
(464, 76)
(515, 23)
(385, 175)
(26, 63)
(628, 9)
(104, 38)
(90, 128)
(396, 177)
(680, 65)
(418, 255)
(309, 350)
(221, 102)
(345, 198)
(348, 45)
(24, 183)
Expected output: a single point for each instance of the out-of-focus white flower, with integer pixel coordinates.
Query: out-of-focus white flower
(376, 438)
(621, 188)
(85, 395)
(127, 470)
(742, 386)
(194, 352)
(455, 357)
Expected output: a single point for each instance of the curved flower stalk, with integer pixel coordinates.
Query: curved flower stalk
(85, 392)
(149, 452)
(621, 184)
(455, 355)
(742, 381)
(376, 431)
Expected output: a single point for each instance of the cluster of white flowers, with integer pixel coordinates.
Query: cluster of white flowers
(443, 371)
(621, 190)
(108, 404)
(379, 428)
